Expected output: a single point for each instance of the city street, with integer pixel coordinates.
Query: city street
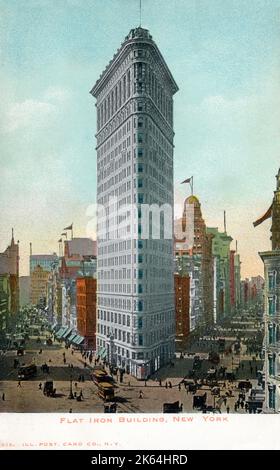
(68, 366)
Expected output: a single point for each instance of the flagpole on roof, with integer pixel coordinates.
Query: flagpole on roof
(190, 181)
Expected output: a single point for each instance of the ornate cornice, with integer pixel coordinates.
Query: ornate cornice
(132, 40)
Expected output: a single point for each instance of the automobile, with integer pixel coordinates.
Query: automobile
(27, 372)
(49, 389)
(174, 407)
(214, 357)
(244, 384)
(199, 399)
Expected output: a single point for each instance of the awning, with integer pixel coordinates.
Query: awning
(60, 332)
(67, 333)
(102, 353)
(70, 339)
(78, 339)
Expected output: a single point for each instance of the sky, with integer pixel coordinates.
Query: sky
(224, 56)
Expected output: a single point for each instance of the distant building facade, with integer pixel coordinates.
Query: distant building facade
(9, 270)
(24, 290)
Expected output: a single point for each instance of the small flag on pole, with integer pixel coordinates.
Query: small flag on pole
(70, 227)
(188, 180)
(60, 240)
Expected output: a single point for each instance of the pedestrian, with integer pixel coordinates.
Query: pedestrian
(72, 352)
(40, 386)
(170, 385)
(75, 384)
(75, 394)
(81, 394)
(3, 396)
(225, 401)
(140, 394)
(145, 383)
(160, 382)
(179, 386)
(70, 411)
(228, 409)
(166, 385)
(19, 384)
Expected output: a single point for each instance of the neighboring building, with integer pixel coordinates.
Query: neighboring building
(38, 286)
(182, 309)
(44, 261)
(79, 247)
(237, 281)
(197, 262)
(221, 251)
(252, 292)
(191, 266)
(40, 269)
(24, 290)
(135, 164)
(271, 260)
(86, 310)
(5, 303)
(77, 266)
(232, 280)
(9, 266)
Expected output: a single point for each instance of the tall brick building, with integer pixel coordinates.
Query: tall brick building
(86, 310)
(182, 308)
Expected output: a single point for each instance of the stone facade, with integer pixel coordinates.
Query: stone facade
(136, 318)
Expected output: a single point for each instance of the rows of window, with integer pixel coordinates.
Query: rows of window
(145, 80)
(272, 305)
(164, 247)
(273, 333)
(110, 302)
(114, 99)
(125, 353)
(136, 340)
(116, 142)
(272, 279)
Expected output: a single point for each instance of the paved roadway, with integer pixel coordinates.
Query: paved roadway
(28, 397)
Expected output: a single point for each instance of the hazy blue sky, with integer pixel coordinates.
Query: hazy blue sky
(224, 55)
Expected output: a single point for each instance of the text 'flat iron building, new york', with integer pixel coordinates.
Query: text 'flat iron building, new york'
(135, 293)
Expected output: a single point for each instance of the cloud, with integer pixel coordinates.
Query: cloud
(34, 113)
(27, 113)
(56, 94)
